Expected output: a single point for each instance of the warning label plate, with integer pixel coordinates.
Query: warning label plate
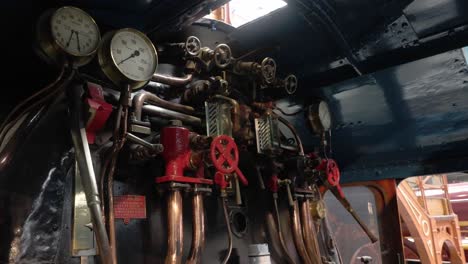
(128, 207)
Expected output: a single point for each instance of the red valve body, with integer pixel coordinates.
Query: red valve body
(177, 154)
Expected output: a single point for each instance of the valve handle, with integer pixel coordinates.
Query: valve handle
(332, 174)
(193, 46)
(225, 156)
(268, 69)
(222, 56)
(290, 84)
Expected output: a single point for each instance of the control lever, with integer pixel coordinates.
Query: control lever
(225, 157)
(287, 183)
(332, 182)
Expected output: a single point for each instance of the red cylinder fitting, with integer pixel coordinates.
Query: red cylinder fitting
(176, 150)
(177, 154)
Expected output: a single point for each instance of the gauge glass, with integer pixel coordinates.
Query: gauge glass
(134, 55)
(324, 115)
(75, 31)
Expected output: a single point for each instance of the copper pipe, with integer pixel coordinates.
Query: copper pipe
(27, 100)
(143, 97)
(229, 231)
(297, 234)
(54, 88)
(289, 259)
(171, 80)
(120, 131)
(198, 236)
(235, 112)
(175, 233)
(309, 234)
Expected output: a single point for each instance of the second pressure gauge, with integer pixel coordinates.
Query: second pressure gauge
(320, 117)
(128, 57)
(68, 33)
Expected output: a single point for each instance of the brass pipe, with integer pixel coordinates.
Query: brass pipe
(289, 259)
(120, 131)
(171, 80)
(198, 236)
(175, 233)
(229, 231)
(297, 234)
(235, 112)
(309, 234)
(143, 97)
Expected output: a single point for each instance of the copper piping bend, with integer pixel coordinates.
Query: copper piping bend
(143, 97)
(175, 233)
(309, 234)
(280, 233)
(198, 237)
(171, 80)
(297, 234)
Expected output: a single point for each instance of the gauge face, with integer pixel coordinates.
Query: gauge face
(75, 31)
(324, 115)
(133, 54)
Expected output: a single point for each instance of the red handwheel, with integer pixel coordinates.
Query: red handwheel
(225, 156)
(333, 173)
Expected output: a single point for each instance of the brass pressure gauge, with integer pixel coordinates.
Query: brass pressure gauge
(128, 57)
(319, 117)
(67, 33)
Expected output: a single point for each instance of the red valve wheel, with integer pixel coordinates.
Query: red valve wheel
(333, 173)
(225, 156)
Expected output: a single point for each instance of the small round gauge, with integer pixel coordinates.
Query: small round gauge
(127, 56)
(320, 117)
(75, 31)
(68, 32)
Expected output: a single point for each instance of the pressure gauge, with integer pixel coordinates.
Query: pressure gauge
(68, 32)
(128, 57)
(320, 117)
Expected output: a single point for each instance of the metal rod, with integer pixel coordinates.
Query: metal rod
(289, 259)
(143, 97)
(175, 233)
(168, 114)
(198, 236)
(229, 231)
(297, 234)
(356, 217)
(310, 237)
(171, 80)
(85, 166)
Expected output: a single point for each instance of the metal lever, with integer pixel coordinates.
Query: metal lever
(356, 217)
(88, 178)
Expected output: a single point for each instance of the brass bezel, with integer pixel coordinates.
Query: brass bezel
(314, 118)
(49, 48)
(108, 64)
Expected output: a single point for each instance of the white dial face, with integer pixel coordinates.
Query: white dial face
(324, 115)
(75, 31)
(134, 55)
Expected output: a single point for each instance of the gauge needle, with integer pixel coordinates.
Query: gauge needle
(134, 54)
(77, 41)
(71, 35)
